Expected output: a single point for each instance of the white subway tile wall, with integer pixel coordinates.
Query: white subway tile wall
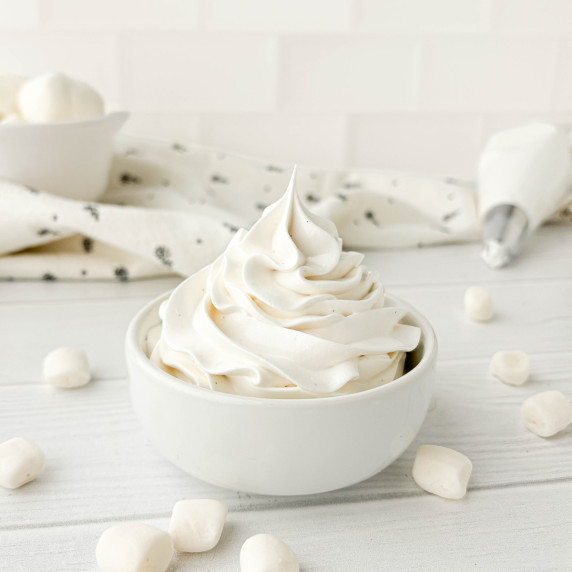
(562, 92)
(487, 74)
(21, 15)
(434, 17)
(540, 17)
(124, 14)
(412, 85)
(351, 74)
(438, 143)
(320, 139)
(284, 16)
(198, 72)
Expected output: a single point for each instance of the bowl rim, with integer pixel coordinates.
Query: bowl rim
(135, 352)
(112, 115)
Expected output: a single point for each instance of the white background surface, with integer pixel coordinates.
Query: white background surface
(101, 469)
(398, 84)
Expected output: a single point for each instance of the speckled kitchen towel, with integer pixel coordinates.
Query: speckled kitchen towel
(171, 208)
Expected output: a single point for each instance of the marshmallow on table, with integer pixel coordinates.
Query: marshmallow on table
(266, 553)
(478, 304)
(511, 367)
(134, 547)
(58, 97)
(196, 524)
(21, 461)
(442, 471)
(547, 413)
(66, 368)
(10, 85)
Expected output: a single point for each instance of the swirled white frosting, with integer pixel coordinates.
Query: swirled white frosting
(283, 312)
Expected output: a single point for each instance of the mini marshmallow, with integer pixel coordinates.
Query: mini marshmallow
(58, 97)
(478, 304)
(10, 85)
(196, 524)
(66, 368)
(21, 461)
(511, 367)
(266, 553)
(547, 413)
(134, 547)
(442, 471)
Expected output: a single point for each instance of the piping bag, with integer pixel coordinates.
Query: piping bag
(524, 175)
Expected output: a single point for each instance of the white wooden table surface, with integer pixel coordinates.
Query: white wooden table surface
(101, 469)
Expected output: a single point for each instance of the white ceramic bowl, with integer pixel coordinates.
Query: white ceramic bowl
(69, 158)
(279, 446)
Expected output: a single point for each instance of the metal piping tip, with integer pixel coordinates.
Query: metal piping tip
(505, 228)
(496, 254)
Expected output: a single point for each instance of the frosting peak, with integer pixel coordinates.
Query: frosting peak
(284, 312)
(298, 237)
